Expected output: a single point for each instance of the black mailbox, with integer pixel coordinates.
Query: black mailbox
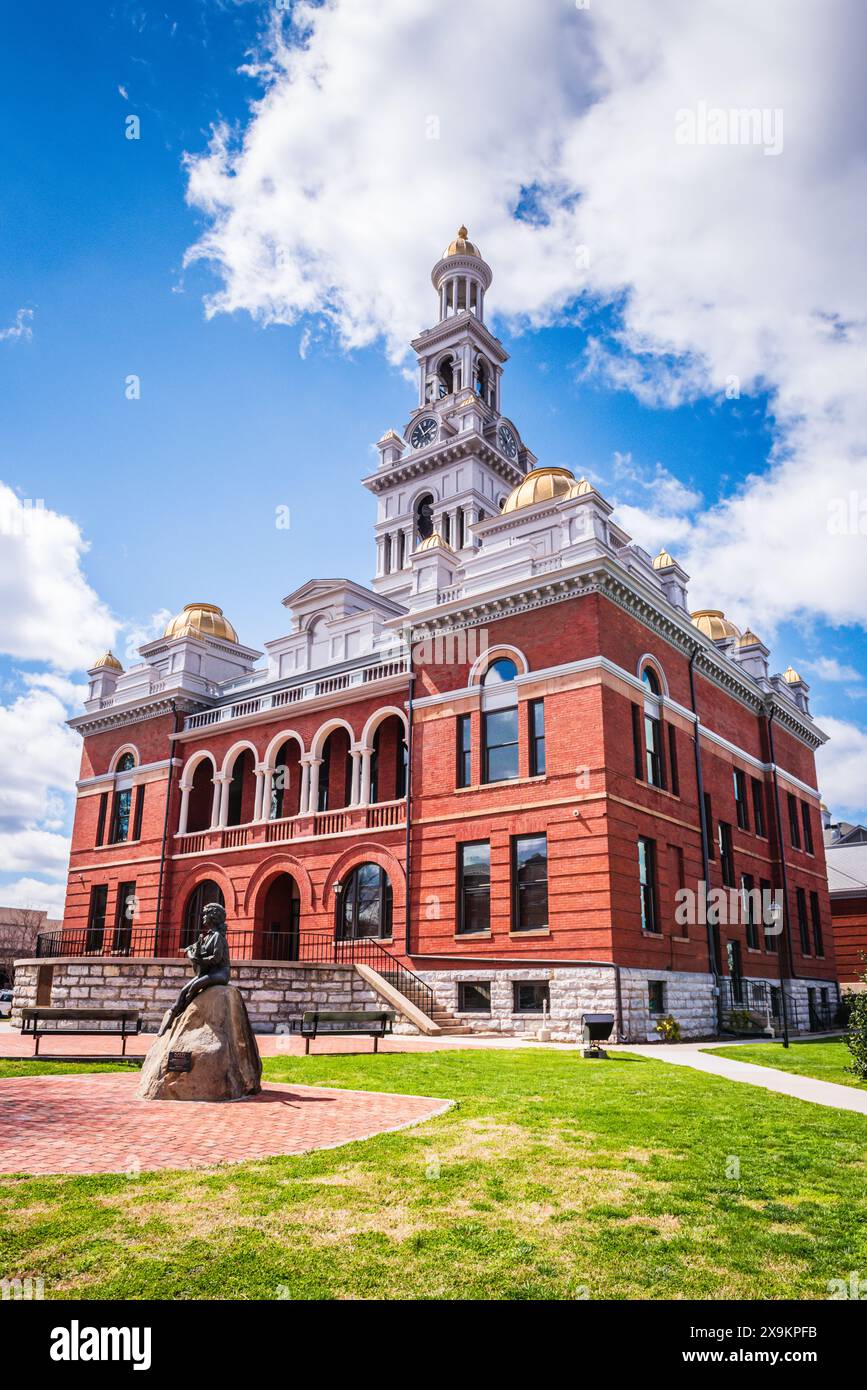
(597, 1029)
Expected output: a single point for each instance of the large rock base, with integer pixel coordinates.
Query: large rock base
(223, 1055)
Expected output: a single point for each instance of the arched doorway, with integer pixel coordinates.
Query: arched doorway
(388, 761)
(285, 782)
(424, 509)
(335, 772)
(364, 903)
(281, 917)
(204, 893)
(201, 796)
(242, 789)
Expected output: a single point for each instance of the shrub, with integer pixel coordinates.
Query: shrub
(668, 1029)
(856, 1038)
(741, 1022)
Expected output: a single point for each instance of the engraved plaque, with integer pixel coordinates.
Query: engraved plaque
(180, 1061)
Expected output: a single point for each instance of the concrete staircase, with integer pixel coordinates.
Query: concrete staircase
(447, 1023)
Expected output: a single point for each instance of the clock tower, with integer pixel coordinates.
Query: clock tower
(458, 457)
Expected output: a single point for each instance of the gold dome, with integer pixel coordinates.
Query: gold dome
(663, 560)
(714, 624)
(749, 639)
(791, 677)
(434, 540)
(542, 485)
(461, 246)
(581, 488)
(201, 620)
(108, 662)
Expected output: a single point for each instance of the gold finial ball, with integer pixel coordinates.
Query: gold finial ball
(107, 662)
(461, 246)
(542, 485)
(201, 620)
(714, 624)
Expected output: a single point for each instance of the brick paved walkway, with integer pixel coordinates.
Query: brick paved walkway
(96, 1124)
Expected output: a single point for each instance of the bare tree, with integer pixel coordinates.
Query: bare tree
(19, 927)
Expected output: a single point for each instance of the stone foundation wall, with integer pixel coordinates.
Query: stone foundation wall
(577, 990)
(688, 997)
(275, 994)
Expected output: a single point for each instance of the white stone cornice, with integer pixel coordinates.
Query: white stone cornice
(136, 713)
(108, 778)
(448, 451)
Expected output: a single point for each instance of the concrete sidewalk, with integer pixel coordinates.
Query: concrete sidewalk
(700, 1057)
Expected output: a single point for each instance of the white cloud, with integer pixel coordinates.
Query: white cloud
(50, 615)
(39, 755)
(732, 271)
(21, 328)
(32, 893)
(137, 634)
(40, 758)
(34, 849)
(48, 611)
(828, 668)
(842, 765)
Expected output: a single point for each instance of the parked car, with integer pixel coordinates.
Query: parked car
(5, 1003)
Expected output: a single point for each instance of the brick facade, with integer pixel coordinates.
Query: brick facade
(479, 554)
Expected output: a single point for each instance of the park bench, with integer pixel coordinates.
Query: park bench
(344, 1023)
(41, 1022)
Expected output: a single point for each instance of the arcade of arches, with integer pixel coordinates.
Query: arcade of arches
(344, 774)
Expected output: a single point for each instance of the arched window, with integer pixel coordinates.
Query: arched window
(446, 377)
(482, 381)
(364, 903)
(651, 680)
(204, 893)
(424, 516)
(125, 763)
(500, 671)
(653, 739)
(499, 723)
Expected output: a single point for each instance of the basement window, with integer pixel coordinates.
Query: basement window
(530, 996)
(474, 997)
(656, 996)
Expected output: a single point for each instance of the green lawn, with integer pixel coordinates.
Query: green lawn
(825, 1059)
(551, 1177)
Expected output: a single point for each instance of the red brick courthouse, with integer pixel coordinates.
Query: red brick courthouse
(496, 768)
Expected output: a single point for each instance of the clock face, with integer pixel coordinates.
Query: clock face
(424, 433)
(507, 441)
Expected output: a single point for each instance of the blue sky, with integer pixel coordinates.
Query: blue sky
(276, 398)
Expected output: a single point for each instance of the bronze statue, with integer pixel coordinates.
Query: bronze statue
(210, 956)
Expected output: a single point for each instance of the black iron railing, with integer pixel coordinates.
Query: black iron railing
(306, 947)
(366, 950)
(747, 1006)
